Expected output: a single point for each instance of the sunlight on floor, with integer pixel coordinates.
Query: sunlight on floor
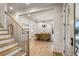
(40, 48)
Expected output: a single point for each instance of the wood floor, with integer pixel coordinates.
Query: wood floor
(39, 48)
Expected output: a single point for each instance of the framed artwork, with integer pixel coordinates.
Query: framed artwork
(25, 28)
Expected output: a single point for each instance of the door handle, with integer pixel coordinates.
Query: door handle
(71, 41)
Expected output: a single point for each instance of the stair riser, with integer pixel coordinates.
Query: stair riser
(3, 32)
(7, 47)
(5, 36)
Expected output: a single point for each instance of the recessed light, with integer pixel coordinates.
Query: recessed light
(11, 8)
(28, 14)
(27, 3)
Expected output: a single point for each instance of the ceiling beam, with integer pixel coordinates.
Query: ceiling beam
(36, 10)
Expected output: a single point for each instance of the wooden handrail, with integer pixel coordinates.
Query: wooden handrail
(13, 19)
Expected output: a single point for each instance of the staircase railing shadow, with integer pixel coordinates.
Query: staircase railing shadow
(17, 32)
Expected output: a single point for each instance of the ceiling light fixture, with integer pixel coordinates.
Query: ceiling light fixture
(28, 14)
(27, 3)
(44, 24)
(11, 8)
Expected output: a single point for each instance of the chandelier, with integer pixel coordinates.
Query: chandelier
(44, 25)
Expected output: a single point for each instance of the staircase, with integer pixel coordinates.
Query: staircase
(8, 46)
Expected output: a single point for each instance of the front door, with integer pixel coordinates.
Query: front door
(68, 29)
(76, 29)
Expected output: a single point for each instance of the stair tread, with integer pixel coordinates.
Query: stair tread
(8, 50)
(24, 54)
(1, 28)
(6, 41)
(3, 45)
(3, 32)
(8, 47)
(14, 52)
(5, 36)
(19, 53)
(1, 25)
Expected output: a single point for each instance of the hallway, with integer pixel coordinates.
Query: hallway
(42, 29)
(40, 48)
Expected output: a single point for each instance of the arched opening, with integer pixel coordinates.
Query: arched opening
(10, 29)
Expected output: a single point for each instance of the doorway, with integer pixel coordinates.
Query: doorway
(68, 29)
(76, 29)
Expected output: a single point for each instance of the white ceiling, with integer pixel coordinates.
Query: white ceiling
(41, 15)
(23, 6)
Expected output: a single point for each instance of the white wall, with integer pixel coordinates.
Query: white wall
(2, 14)
(58, 29)
(29, 22)
(47, 29)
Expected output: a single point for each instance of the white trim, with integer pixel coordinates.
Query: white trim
(14, 52)
(7, 47)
